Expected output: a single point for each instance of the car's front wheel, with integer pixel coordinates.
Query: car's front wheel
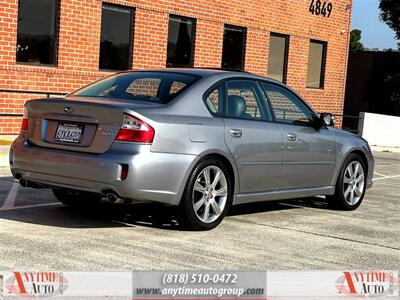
(207, 196)
(351, 184)
(76, 198)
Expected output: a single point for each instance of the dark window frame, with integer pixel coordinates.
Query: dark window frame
(234, 27)
(193, 32)
(286, 57)
(132, 11)
(56, 40)
(323, 64)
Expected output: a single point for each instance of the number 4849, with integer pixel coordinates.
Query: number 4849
(319, 7)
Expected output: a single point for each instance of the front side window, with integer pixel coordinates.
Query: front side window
(116, 37)
(180, 48)
(316, 65)
(233, 50)
(278, 56)
(37, 31)
(287, 107)
(243, 100)
(157, 87)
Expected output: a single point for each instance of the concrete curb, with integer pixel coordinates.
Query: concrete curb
(385, 149)
(6, 140)
(4, 162)
(4, 154)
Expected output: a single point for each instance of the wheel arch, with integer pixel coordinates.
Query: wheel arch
(362, 155)
(229, 162)
(359, 153)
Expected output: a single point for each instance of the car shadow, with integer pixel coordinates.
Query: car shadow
(267, 206)
(151, 215)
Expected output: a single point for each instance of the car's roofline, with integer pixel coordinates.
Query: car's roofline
(203, 72)
(206, 72)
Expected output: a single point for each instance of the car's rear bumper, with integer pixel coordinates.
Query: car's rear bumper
(152, 176)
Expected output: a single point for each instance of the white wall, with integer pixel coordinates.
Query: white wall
(380, 130)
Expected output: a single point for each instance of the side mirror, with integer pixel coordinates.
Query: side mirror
(327, 119)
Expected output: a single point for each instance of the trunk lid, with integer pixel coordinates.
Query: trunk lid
(83, 124)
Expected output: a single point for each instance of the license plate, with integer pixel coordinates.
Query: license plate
(69, 133)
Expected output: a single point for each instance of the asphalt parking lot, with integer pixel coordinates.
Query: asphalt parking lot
(36, 232)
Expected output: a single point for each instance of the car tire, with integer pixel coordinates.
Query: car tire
(207, 196)
(351, 184)
(76, 198)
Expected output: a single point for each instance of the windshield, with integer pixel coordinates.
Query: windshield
(158, 87)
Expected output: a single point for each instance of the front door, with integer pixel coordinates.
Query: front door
(309, 153)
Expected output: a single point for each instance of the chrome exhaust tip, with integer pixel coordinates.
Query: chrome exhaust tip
(112, 197)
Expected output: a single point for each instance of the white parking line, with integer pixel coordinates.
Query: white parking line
(386, 177)
(29, 206)
(380, 174)
(123, 223)
(12, 194)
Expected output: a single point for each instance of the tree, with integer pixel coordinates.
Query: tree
(355, 41)
(390, 14)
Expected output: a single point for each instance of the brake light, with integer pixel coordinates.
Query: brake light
(135, 130)
(25, 121)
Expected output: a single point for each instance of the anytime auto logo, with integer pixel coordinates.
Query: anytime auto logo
(35, 284)
(368, 284)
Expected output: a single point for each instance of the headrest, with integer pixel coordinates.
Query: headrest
(236, 106)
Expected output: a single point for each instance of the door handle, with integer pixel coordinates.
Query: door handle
(291, 137)
(236, 133)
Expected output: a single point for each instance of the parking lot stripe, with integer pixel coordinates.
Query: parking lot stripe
(12, 194)
(380, 174)
(386, 177)
(123, 223)
(29, 206)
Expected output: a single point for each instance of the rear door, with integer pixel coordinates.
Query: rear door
(309, 153)
(254, 141)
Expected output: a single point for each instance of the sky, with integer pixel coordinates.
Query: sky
(375, 34)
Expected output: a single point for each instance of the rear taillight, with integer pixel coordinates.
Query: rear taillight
(25, 121)
(135, 130)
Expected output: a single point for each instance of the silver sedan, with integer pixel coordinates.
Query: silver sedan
(198, 139)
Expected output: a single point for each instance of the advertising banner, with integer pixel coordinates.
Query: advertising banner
(249, 285)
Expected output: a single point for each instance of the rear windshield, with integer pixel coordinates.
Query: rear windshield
(155, 87)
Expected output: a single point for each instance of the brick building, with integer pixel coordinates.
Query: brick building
(56, 46)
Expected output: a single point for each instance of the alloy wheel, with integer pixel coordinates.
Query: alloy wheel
(353, 183)
(210, 193)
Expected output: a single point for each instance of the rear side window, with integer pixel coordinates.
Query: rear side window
(155, 87)
(214, 100)
(287, 107)
(243, 100)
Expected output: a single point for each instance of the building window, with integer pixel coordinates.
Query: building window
(37, 31)
(278, 56)
(316, 64)
(181, 34)
(233, 50)
(116, 37)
